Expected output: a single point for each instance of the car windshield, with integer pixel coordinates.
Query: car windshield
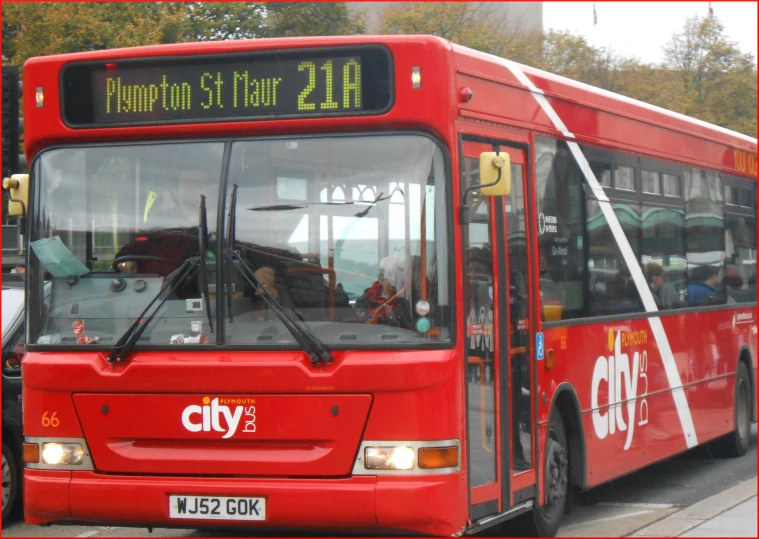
(345, 233)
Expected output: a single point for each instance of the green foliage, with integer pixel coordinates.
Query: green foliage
(215, 21)
(716, 81)
(568, 55)
(42, 28)
(284, 19)
(34, 29)
(461, 22)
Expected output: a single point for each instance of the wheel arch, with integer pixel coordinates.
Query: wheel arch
(565, 401)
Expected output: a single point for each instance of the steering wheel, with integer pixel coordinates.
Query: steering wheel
(135, 258)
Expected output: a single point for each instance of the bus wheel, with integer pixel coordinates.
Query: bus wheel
(543, 521)
(735, 444)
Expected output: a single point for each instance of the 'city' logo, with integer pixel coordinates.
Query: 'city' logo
(209, 417)
(618, 374)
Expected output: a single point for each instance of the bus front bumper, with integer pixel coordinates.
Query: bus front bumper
(430, 504)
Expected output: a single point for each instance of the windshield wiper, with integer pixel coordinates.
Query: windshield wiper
(203, 245)
(310, 342)
(287, 207)
(229, 242)
(173, 282)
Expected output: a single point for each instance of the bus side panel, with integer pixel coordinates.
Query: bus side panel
(629, 412)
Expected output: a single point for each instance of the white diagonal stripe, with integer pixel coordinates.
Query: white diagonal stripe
(660, 336)
(538, 94)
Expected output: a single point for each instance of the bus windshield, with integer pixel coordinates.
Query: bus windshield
(347, 234)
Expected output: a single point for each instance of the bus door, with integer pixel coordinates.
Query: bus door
(496, 341)
(520, 372)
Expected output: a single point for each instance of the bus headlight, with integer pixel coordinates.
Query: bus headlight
(407, 457)
(56, 453)
(44, 453)
(389, 458)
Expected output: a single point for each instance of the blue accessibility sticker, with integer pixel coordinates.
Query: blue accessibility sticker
(540, 347)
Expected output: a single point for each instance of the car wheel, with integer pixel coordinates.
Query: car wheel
(10, 481)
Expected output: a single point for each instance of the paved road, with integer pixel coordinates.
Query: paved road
(633, 502)
(613, 510)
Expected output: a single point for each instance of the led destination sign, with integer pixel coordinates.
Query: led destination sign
(227, 88)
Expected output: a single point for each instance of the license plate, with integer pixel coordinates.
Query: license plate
(217, 508)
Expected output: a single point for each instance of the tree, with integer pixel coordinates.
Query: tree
(717, 82)
(644, 82)
(467, 24)
(569, 56)
(42, 28)
(214, 21)
(34, 29)
(284, 19)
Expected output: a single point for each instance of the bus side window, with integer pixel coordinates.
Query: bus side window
(561, 234)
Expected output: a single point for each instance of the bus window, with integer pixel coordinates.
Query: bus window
(740, 247)
(663, 254)
(705, 236)
(561, 202)
(612, 290)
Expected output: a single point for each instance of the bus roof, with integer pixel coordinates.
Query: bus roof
(571, 90)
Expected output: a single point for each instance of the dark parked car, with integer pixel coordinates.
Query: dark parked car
(13, 352)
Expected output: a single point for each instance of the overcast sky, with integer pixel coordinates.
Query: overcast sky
(640, 29)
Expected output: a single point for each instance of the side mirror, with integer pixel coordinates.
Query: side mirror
(491, 164)
(18, 185)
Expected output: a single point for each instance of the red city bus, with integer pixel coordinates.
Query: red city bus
(370, 283)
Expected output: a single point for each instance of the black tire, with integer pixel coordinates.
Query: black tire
(10, 481)
(544, 521)
(735, 444)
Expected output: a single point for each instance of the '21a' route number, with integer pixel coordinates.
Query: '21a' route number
(351, 86)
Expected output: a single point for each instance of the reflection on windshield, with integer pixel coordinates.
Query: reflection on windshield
(346, 234)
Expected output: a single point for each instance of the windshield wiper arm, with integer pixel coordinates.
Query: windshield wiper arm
(203, 245)
(230, 244)
(310, 342)
(130, 337)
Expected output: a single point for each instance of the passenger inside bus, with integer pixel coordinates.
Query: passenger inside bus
(267, 278)
(703, 279)
(383, 301)
(664, 293)
(728, 288)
